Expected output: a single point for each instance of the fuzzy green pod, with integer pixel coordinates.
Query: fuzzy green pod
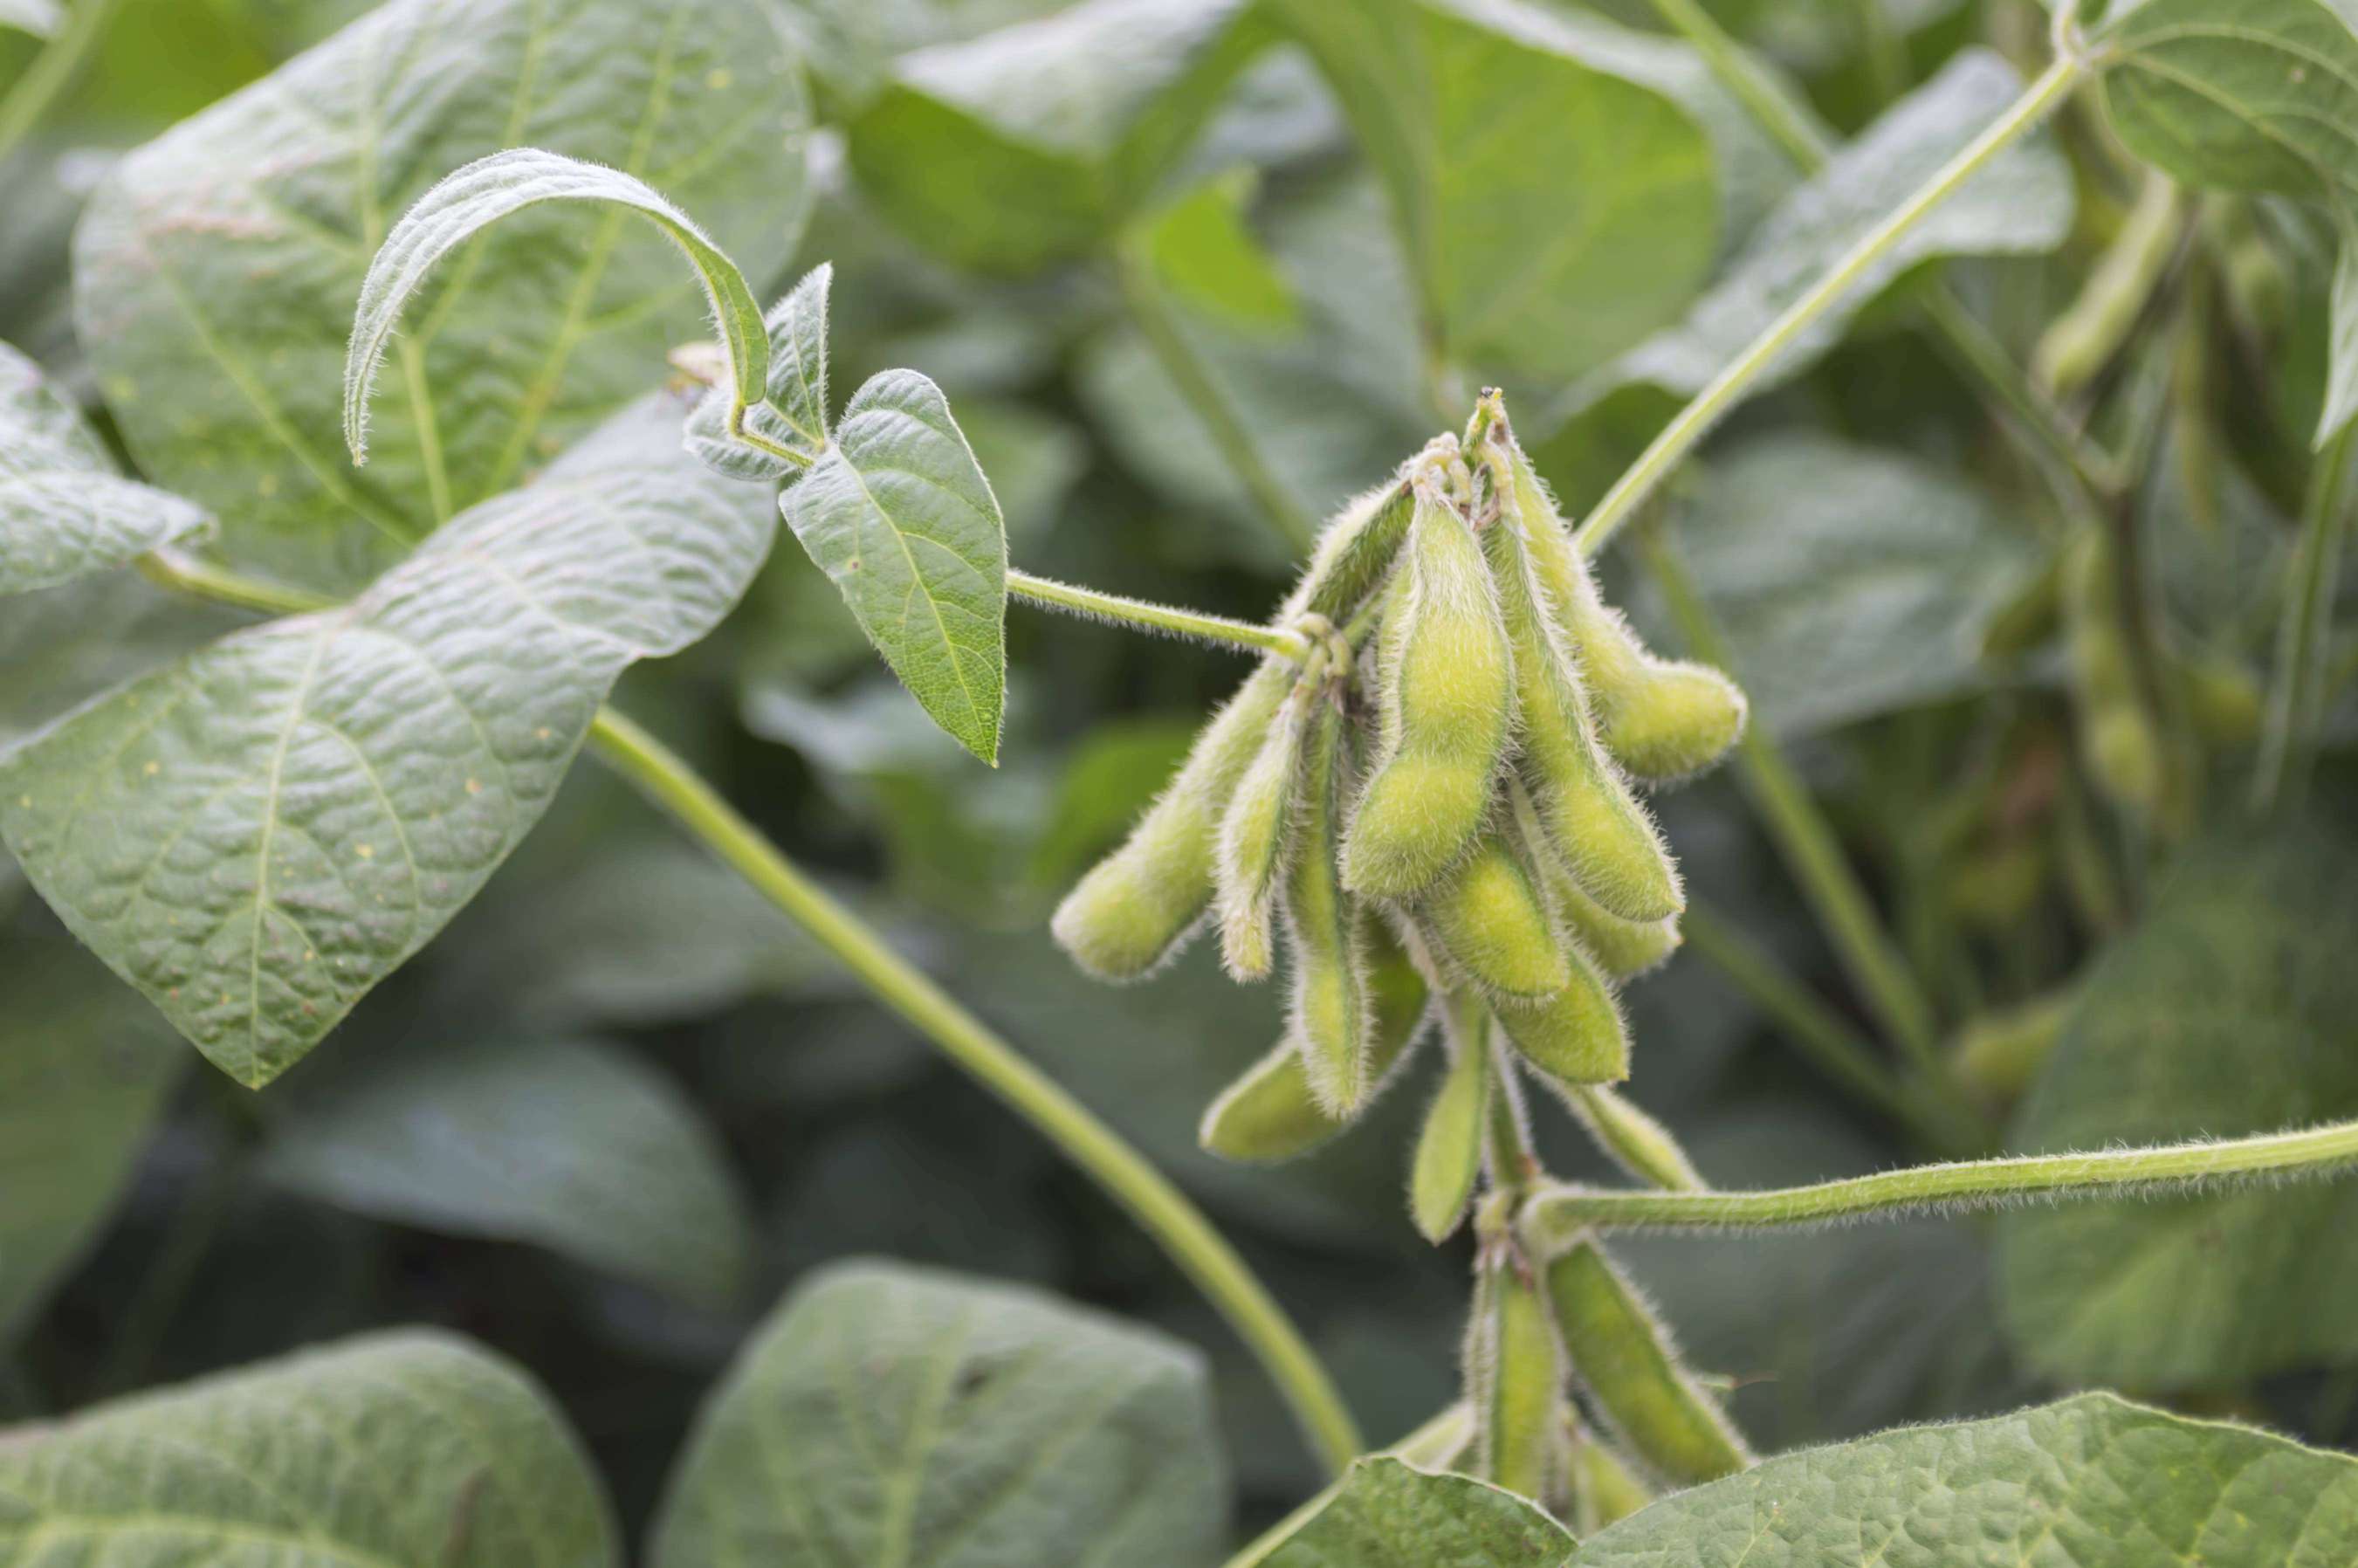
(1486, 916)
(2079, 344)
(1446, 705)
(1602, 1489)
(1257, 832)
(1448, 1159)
(1514, 1370)
(2118, 740)
(1999, 1054)
(1331, 1016)
(1575, 1037)
(1625, 1358)
(1354, 553)
(1622, 949)
(1591, 822)
(1637, 1142)
(1270, 1114)
(1135, 907)
(1662, 719)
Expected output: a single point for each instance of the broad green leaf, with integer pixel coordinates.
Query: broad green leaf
(2020, 204)
(39, 18)
(1031, 145)
(257, 834)
(64, 509)
(898, 513)
(1554, 209)
(892, 1415)
(577, 1146)
(84, 1070)
(471, 199)
(1388, 1514)
(2251, 95)
(216, 270)
(2226, 1011)
(790, 410)
(1848, 582)
(2093, 1481)
(394, 1449)
(64, 645)
(1203, 252)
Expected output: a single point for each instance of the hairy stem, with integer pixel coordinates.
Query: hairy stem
(1690, 424)
(52, 70)
(2296, 704)
(1563, 1213)
(1176, 1223)
(1238, 447)
(1139, 612)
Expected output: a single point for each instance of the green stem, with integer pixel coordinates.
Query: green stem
(1185, 1234)
(52, 72)
(2296, 706)
(1429, 1447)
(183, 573)
(1689, 426)
(1807, 841)
(1749, 82)
(1203, 394)
(1151, 617)
(1563, 1213)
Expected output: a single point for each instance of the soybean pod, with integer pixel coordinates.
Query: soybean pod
(1331, 1018)
(1256, 831)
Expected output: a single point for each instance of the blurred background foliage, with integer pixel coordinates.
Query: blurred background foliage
(602, 1121)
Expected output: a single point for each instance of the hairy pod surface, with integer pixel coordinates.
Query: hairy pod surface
(1602, 1489)
(1270, 1114)
(1515, 1370)
(1636, 1141)
(1257, 832)
(1448, 1159)
(1444, 705)
(1354, 553)
(1135, 907)
(1331, 1014)
(1591, 821)
(1624, 1357)
(1486, 916)
(1623, 949)
(1575, 1036)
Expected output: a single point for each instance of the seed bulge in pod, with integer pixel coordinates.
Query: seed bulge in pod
(1444, 705)
(1487, 918)
(1515, 1377)
(1576, 1035)
(1448, 1160)
(1257, 832)
(1332, 1020)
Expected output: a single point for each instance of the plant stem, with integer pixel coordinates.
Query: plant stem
(1166, 1213)
(1151, 617)
(1563, 1213)
(183, 573)
(1747, 80)
(1727, 388)
(1807, 841)
(2296, 706)
(1202, 391)
(52, 72)
(1429, 1447)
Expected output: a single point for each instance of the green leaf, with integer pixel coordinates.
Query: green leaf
(84, 1071)
(216, 269)
(895, 1415)
(2021, 203)
(1848, 582)
(1032, 143)
(392, 1449)
(790, 410)
(2093, 1481)
(40, 17)
(473, 199)
(2250, 95)
(64, 510)
(2227, 1010)
(1203, 252)
(900, 516)
(573, 1145)
(257, 834)
(1554, 209)
(1388, 1514)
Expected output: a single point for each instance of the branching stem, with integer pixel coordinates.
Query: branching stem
(1151, 617)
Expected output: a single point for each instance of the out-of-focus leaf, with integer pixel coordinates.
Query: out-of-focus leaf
(1848, 582)
(83, 1071)
(258, 834)
(64, 645)
(900, 516)
(1203, 252)
(39, 18)
(2094, 1480)
(2226, 1011)
(64, 510)
(1033, 461)
(216, 270)
(396, 1448)
(573, 1145)
(2021, 203)
(2250, 95)
(1554, 209)
(892, 1414)
(1106, 785)
(1031, 145)
(1388, 1514)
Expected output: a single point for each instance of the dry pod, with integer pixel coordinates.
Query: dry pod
(1444, 707)
(1331, 1018)
(1448, 1161)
